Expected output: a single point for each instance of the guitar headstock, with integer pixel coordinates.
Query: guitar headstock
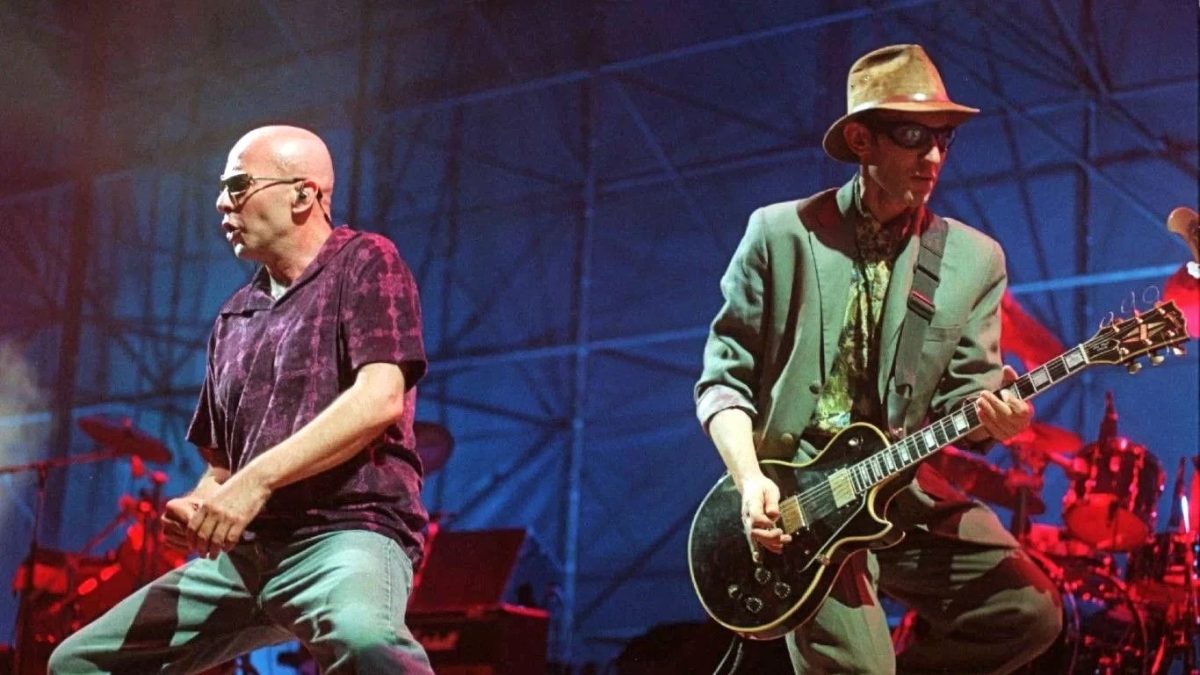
(1124, 340)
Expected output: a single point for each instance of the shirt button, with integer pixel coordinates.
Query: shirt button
(788, 440)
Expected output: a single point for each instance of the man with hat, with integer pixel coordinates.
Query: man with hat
(810, 339)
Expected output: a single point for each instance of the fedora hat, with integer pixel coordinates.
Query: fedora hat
(897, 77)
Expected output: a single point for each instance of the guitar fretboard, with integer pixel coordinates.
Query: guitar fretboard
(913, 448)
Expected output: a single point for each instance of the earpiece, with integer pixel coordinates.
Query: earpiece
(301, 193)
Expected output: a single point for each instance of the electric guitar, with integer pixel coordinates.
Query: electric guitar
(835, 504)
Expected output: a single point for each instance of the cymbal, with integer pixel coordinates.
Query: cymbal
(980, 478)
(1047, 439)
(434, 445)
(1025, 337)
(125, 439)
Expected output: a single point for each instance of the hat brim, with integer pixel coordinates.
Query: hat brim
(835, 141)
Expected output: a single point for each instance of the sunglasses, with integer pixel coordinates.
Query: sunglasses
(240, 182)
(912, 135)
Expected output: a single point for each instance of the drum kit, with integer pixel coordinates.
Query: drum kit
(1129, 593)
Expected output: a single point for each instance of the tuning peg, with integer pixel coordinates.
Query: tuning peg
(1178, 350)
(1133, 367)
(1156, 358)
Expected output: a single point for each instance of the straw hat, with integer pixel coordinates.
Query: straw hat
(897, 77)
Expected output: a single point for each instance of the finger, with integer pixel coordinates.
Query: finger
(1008, 375)
(771, 503)
(193, 527)
(767, 540)
(216, 541)
(772, 538)
(204, 535)
(232, 536)
(175, 541)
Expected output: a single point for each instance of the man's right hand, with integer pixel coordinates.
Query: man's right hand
(760, 511)
(175, 517)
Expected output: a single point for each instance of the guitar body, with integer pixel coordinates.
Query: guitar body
(767, 599)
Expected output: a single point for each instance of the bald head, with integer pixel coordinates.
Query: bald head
(289, 151)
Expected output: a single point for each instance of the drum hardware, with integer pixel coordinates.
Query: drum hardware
(1165, 577)
(1113, 505)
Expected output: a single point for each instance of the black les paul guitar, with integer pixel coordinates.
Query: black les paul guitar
(835, 504)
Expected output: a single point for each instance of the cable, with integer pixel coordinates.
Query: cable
(735, 650)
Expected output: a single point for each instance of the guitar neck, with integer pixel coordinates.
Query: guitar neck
(915, 447)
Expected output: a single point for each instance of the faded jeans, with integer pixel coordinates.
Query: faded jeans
(342, 594)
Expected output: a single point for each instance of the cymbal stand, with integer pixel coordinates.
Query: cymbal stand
(1020, 524)
(150, 530)
(43, 471)
(1185, 631)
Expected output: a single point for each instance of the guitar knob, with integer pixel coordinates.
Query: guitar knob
(762, 575)
(754, 605)
(782, 590)
(733, 591)
(1133, 367)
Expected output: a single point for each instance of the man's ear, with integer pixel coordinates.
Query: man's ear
(859, 139)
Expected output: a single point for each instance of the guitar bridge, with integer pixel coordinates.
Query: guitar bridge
(791, 515)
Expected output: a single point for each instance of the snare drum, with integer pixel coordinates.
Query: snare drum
(1114, 505)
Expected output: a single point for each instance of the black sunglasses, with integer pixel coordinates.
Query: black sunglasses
(913, 135)
(240, 182)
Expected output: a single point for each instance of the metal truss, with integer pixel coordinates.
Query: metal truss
(598, 85)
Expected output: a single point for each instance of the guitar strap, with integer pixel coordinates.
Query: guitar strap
(916, 320)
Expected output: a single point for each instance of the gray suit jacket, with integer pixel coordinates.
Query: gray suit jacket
(773, 343)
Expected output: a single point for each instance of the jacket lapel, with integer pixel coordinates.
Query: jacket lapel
(832, 250)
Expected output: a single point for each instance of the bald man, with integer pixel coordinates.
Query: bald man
(307, 521)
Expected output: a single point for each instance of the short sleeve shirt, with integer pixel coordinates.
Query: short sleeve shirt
(275, 364)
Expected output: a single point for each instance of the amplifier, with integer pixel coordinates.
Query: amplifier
(502, 640)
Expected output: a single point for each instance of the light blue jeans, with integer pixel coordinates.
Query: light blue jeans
(342, 594)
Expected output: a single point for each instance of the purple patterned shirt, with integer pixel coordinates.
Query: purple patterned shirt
(273, 365)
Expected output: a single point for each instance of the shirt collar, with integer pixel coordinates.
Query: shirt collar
(257, 295)
(876, 240)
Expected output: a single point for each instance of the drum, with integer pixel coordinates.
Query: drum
(1114, 504)
(1104, 631)
(1157, 573)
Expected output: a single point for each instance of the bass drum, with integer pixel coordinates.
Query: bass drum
(1103, 630)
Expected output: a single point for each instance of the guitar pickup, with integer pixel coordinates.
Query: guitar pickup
(791, 516)
(842, 487)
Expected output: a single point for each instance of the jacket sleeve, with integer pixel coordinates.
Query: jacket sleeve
(732, 354)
